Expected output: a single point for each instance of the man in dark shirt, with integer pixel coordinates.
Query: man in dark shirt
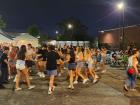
(42, 61)
(51, 66)
(4, 67)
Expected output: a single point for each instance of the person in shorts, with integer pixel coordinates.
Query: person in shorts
(71, 66)
(29, 54)
(80, 64)
(51, 66)
(22, 70)
(41, 60)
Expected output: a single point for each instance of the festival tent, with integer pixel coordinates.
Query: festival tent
(86, 43)
(61, 43)
(81, 43)
(25, 38)
(74, 43)
(68, 43)
(4, 39)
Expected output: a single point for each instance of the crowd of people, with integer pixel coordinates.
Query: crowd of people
(80, 62)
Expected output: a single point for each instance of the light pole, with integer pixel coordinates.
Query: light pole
(70, 27)
(121, 7)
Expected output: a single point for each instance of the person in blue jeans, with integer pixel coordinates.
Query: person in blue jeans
(132, 71)
(132, 81)
(1, 83)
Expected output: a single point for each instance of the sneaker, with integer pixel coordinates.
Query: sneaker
(103, 71)
(15, 79)
(39, 74)
(95, 81)
(85, 80)
(12, 77)
(18, 89)
(9, 78)
(31, 87)
(70, 87)
(96, 76)
(75, 82)
(134, 90)
(98, 68)
(49, 92)
(42, 75)
(59, 75)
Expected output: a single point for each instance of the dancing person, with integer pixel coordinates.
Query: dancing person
(132, 71)
(90, 66)
(103, 60)
(22, 70)
(51, 67)
(80, 64)
(4, 67)
(12, 62)
(98, 59)
(60, 63)
(4, 64)
(70, 58)
(41, 60)
(29, 58)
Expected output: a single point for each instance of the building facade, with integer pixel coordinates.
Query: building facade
(113, 37)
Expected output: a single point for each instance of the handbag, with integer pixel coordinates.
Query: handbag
(131, 71)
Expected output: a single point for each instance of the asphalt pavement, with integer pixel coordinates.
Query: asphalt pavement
(108, 91)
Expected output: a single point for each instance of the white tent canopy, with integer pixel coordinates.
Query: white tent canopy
(25, 39)
(61, 43)
(4, 39)
(86, 43)
(68, 43)
(81, 43)
(74, 43)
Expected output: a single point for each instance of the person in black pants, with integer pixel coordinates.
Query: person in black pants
(1, 82)
(4, 67)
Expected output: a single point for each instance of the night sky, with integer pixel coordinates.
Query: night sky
(96, 14)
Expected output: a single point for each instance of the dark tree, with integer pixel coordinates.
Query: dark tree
(33, 30)
(2, 23)
(73, 29)
(43, 37)
(60, 37)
